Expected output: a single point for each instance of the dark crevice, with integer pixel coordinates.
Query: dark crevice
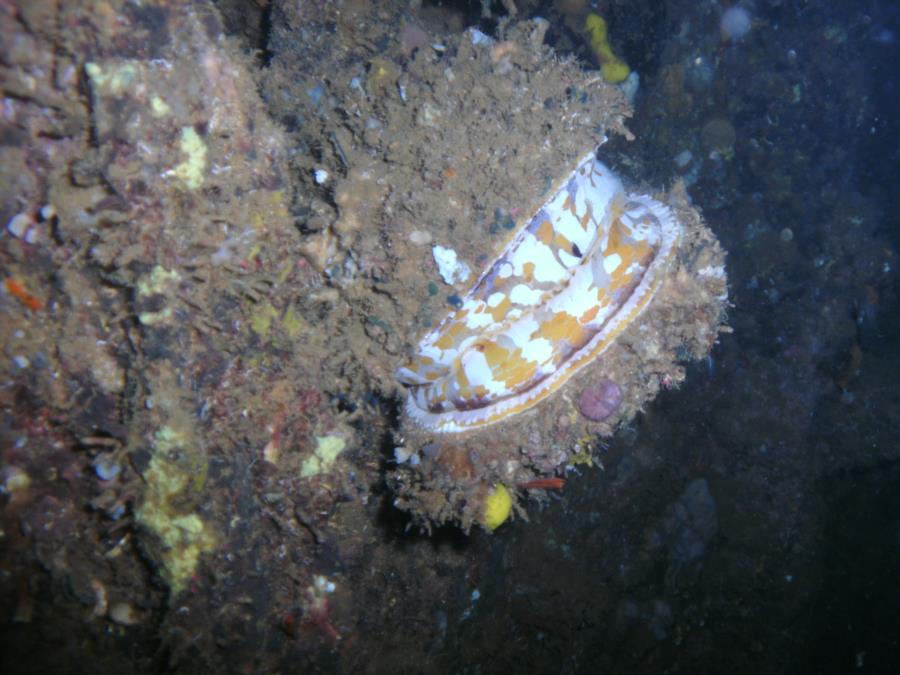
(251, 23)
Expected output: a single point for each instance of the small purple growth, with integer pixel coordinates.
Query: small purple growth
(600, 400)
(537, 220)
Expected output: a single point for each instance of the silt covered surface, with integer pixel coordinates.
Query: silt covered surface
(200, 335)
(390, 176)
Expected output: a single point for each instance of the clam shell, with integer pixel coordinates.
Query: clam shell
(577, 272)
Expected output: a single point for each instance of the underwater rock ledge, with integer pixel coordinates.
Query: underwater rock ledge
(435, 160)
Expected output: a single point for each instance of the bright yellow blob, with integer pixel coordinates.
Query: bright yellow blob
(497, 507)
(613, 69)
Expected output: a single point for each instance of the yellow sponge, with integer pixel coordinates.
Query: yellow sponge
(613, 69)
(497, 507)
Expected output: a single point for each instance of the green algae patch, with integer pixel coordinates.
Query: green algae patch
(117, 78)
(153, 318)
(323, 456)
(157, 282)
(261, 320)
(191, 170)
(159, 107)
(173, 479)
(293, 323)
(160, 281)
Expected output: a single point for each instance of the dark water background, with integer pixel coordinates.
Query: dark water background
(749, 522)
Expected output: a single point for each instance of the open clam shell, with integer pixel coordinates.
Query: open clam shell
(576, 274)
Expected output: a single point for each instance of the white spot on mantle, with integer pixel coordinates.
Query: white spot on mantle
(612, 262)
(452, 269)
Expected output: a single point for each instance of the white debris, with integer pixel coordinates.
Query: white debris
(323, 585)
(716, 272)
(630, 86)
(452, 270)
(403, 454)
(683, 158)
(420, 237)
(18, 225)
(124, 614)
(479, 38)
(321, 176)
(736, 22)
